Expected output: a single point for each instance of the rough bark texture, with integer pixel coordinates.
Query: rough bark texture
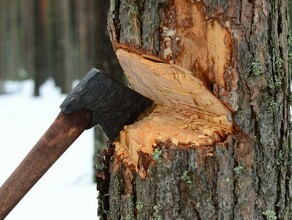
(248, 176)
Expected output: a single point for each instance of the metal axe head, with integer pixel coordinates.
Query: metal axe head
(113, 104)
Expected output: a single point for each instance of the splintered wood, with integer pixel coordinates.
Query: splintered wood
(207, 44)
(181, 126)
(187, 113)
(188, 80)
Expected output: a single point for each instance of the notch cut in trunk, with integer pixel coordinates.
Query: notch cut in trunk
(187, 113)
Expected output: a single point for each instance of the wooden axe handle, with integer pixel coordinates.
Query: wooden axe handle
(55, 141)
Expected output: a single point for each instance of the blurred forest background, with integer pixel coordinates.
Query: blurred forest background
(61, 39)
(58, 39)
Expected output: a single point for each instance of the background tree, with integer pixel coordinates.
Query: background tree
(47, 38)
(239, 52)
(290, 13)
(61, 45)
(41, 49)
(9, 36)
(105, 58)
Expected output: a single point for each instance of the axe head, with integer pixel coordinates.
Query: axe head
(113, 105)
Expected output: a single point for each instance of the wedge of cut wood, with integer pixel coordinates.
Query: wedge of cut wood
(169, 84)
(179, 126)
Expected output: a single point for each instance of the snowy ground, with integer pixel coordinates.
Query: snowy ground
(67, 190)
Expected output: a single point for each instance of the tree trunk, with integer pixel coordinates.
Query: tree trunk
(290, 13)
(105, 59)
(61, 67)
(2, 54)
(9, 39)
(40, 50)
(27, 46)
(85, 30)
(218, 144)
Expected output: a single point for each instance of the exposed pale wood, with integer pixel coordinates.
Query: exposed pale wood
(168, 84)
(207, 45)
(187, 112)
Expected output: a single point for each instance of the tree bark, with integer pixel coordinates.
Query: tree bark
(238, 50)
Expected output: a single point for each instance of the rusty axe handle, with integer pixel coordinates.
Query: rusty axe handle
(55, 141)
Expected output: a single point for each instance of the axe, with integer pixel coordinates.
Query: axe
(97, 100)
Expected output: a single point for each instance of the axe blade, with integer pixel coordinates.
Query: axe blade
(113, 104)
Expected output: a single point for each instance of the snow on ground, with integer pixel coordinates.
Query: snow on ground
(67, 190)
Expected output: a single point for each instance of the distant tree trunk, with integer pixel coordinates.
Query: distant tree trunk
(85, 29)
(290, 14)
(27, 45)
(61, 42)
(9, 39)
(105, 58)
(12, 40)
(40, 31)
(238, 51)
(3, 34)
(2, 71)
